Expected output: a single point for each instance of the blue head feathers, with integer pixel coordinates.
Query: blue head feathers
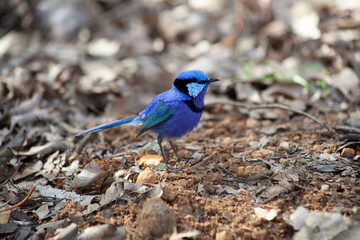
(192, 82)
(192, 74)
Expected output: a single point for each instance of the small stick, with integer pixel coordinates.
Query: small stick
(283, 107)
(32, 190)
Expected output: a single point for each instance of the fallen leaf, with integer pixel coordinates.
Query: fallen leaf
(30, 169)
(42, 211)
(112, 193)
(88, 175)
(47, 191)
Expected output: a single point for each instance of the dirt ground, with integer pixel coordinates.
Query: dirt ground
(275, 155)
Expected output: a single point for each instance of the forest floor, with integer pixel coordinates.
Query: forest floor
(275, 156)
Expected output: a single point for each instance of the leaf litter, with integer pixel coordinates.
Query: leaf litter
(275, 155)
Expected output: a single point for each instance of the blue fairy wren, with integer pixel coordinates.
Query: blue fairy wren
(173, 113)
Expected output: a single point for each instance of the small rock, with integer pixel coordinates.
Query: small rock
(325, 188)
(150, 160)
(285, 145)
(224, 235)
(348, 153)
(271, 215)
(147, 176)
(283, 160)
(155, 219)
(248, 170)
(314, 136)
(259, 168)
(256, 154)
(296, 138)
(332, 146)
(251, 122)
(318, 148)
(241, 172)
(260, 212)
(327, 151)
(266, 152)
(262, 153)
(226, 122)
(227, 141)
(265, 214)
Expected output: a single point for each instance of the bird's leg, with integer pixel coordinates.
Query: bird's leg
(179, 159)
(163, 155)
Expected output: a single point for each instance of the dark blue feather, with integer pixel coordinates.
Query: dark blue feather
(108, 125)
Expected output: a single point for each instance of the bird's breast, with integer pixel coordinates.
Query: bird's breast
(183, 121)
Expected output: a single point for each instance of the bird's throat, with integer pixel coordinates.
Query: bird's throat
(192, 106)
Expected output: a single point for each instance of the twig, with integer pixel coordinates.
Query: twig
(347, 129)
(32, 190)
(203, 161)
(283, 107)
(84, 142)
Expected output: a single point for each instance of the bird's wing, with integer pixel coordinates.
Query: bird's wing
(156, 115)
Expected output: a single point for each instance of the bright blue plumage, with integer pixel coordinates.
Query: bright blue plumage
(173, 113)
(193, 74)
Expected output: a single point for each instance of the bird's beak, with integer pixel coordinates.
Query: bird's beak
(213, 80)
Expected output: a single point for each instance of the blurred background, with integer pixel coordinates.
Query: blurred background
(115, 56)
(68, 65)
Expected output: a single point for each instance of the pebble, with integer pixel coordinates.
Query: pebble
(251, 122)
(224, 235)
(259, 168)
(267, 152)
(325, 188)
(147, 176)
(314, 136)
(256, 154)
(241, 172)
(296, 138)
(262, 153)
(150, 160)
(226, 122)
(327, 151)
(348, 153)
(285, 145)
(227, 141)
(318, 148)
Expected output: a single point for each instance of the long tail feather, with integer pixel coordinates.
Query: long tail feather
(108, 125)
